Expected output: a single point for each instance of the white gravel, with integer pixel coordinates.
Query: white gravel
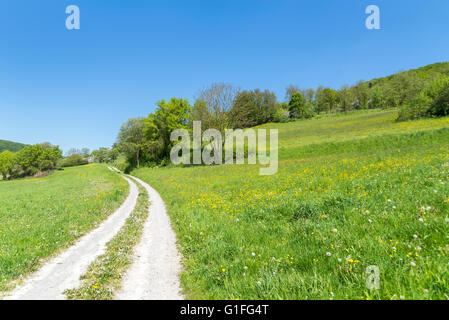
(63, 272)
(154, 272)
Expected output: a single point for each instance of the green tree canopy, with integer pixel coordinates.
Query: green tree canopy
(298, 107)
(6, 163)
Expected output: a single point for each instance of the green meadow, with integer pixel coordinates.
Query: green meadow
(352, 191)
(41, 216)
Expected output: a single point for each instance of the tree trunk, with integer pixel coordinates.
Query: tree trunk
(138, 158)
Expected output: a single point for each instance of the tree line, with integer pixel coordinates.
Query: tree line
(37, 159)
(29, 161)
(418, 93)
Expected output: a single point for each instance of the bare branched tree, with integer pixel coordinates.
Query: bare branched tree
(219, 99)
(290, 90)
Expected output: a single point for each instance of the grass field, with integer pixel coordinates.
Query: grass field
(39, 217)
(352, 191)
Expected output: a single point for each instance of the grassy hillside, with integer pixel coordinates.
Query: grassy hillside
(38, 217)
(352, 191)
(423, 72)
(11, 146)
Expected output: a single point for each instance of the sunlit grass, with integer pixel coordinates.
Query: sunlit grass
(352, 191)
(40, 216)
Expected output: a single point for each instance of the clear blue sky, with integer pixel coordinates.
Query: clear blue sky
(75, 88)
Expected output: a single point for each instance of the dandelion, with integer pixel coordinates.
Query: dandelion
(402, 297)
(328, 254)
(334, 230)
(415, 236)
(253, 254)
(259, 283)
(245, 267)
(370, 221)
(413, 264)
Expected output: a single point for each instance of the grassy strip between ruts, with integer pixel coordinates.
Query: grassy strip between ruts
(104, 275)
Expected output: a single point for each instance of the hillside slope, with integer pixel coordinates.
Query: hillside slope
(11, 146)
(352, 191)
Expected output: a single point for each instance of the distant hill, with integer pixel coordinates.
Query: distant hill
(11, 146)
(423, 73)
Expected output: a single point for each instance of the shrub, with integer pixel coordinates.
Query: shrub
(122, 163)
(32, 159)
(6, 163)
(281, 115)
(433, 101)
(440, 107)
(74, 160)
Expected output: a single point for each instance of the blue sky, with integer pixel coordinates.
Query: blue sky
(75, 88)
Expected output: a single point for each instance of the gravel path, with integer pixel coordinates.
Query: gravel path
(63, 272)
(154, 272)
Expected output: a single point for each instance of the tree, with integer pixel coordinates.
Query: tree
(326, 100)
(74, 160)
(361, 93)
(244, 110)
(251, 108)
(432, 101)
(345, 99)
(309, 95)
(200, 112)
(38, 157)
(6, 163)
(85, 152)
(131, 138)
(73, 151)
(159, 125)
(298, 107)
(290, 90)
(266, 103)
(440, 107)
(100, 155)
(219, 99)
(377, 98)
